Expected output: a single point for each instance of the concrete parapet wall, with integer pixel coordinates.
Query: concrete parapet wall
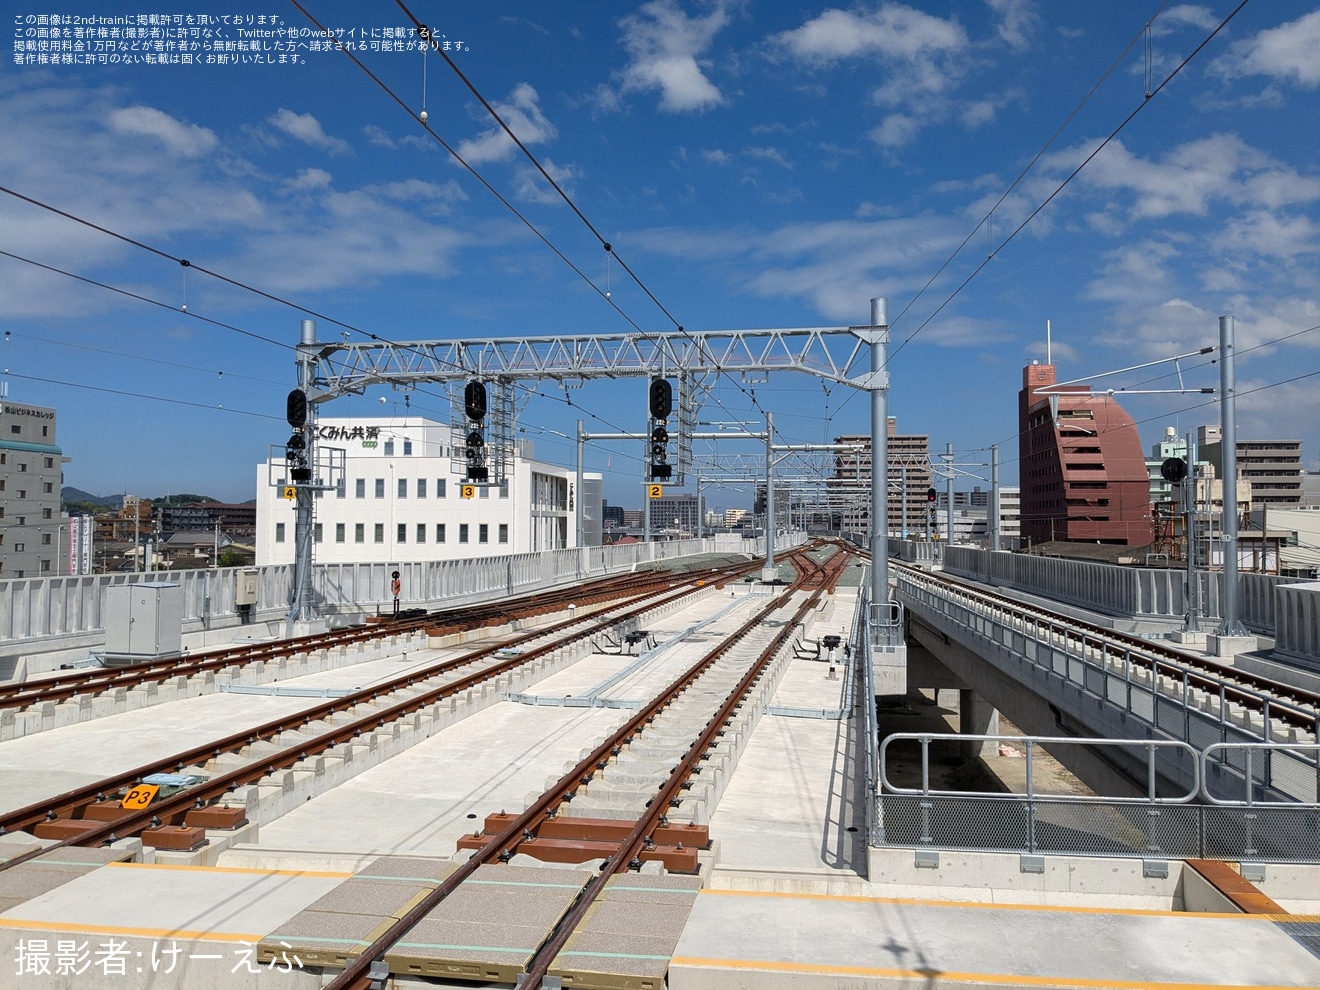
(1119, 590)
(49, 621)
(1297, 629)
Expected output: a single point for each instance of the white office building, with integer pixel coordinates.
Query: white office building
(401, 500)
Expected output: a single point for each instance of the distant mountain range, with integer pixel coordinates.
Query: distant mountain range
(76, 496)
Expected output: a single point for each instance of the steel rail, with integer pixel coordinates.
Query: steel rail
(357, 974)
(1299, 707)
(63, 688)
(176, 806)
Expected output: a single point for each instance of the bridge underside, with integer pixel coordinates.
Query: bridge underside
(1040, 704)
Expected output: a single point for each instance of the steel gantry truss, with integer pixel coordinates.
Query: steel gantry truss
(331, 369)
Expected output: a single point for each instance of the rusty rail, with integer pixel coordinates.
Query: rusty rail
(357, 976)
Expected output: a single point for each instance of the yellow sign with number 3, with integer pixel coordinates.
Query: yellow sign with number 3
(139, 796)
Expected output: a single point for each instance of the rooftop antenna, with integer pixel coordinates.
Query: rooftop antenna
(1047, 343)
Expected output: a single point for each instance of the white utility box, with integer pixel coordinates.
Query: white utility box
(143, 621)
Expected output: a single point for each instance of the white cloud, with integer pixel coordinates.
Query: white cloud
(1015, 20)
(308, 179)
(665, 43)
(185, 140)
(892, 31)
(922, 59)
(716, 155)
(895, 130)
(522, 112)
(1184, 15)
(822, 263)
(378, 136)
(1268, 235)
(530, 185)
(307, 129)
(1287, 52)
(767, 154)
(1190, 178)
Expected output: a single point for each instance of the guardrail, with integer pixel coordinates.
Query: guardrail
(1193, 823)
(1185, 702)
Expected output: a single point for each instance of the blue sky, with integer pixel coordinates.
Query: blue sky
(756, 164)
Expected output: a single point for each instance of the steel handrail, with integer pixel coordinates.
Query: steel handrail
(1030, 742)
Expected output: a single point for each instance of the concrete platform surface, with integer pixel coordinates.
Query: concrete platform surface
(737, 939)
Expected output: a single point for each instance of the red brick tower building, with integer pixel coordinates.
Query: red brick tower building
(1081, 469)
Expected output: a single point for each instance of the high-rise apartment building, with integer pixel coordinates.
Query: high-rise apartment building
(908, 456)
(1273, 468)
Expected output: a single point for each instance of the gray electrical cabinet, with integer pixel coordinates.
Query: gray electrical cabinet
(246, 593)
(143, 621)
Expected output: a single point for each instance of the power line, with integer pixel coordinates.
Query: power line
(425, 33)
(135, 295)
(143, 395)
(1073, 174)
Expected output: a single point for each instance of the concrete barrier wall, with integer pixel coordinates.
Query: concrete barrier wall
(1297, 608)
(69, 609)
(913, 551)
(1127, 591)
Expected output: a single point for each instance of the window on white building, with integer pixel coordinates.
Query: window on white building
(421, 488)
(440, 488)
(421, 532)
(401, 534)
(483, 533)
(316, 532)
(389, 448)
(380, 533)
(504, 532)
(403, 488)
(339, 532)
(279, 532)
(407, 448)
(359, 533)
(439, 532)
(380, 487)
(360, 488)
(462, 532)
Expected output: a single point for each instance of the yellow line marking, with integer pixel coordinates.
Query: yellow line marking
(61, 926)
(949, 975)
(230, 869)
(988, 905)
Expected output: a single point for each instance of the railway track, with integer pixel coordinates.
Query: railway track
(92, 814)
(86, 682)
(649, 835)
(1176, 672)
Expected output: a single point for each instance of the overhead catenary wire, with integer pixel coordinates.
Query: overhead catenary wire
(427, 37)
(1073, 174)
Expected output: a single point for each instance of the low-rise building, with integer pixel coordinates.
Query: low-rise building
(401, 500)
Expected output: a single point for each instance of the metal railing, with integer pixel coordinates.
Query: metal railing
(861, 638)
(886, 624)
(1173, 697)
(1192, 823)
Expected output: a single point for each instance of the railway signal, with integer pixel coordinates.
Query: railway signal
(474, 407)
(660, 400)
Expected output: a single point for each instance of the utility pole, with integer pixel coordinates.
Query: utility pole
(878, 385)
(948, 494)
(1232, 623)
(994, 497)
(1193, 622)
(771, 568)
